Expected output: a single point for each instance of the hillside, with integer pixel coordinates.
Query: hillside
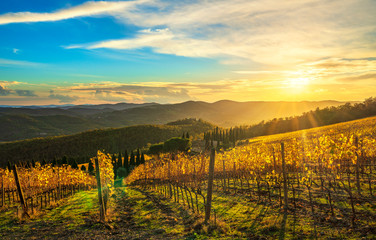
(32, 121)
(87, 143)
(17, 126)
(309, 184)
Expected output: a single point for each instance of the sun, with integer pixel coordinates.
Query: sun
(295, 85)
(300, 82)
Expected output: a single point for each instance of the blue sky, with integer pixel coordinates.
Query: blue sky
(59, 52)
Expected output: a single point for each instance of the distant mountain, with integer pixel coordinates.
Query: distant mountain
(29, 122)
(86, 144)
(224, 113)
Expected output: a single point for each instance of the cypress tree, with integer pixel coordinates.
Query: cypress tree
(83, 168)
(131, 160)
(120, 161)
(142, 158)
(91, 167)
(138, 157)
(113, 161)
(33, 163)
(187, 135)
(114, 165)
(64, 160)
(126, 160)
(74, 163)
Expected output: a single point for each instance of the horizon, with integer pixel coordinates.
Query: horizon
(212, 102)
(105, 52)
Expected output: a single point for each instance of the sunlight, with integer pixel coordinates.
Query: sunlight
(295, 85)
(297, 82)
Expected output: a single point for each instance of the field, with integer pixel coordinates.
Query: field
(311, 184)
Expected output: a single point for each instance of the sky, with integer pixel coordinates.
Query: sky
(92, 52)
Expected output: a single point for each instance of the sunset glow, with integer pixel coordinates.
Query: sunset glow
(89, 52)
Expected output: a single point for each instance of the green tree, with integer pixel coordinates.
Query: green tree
(132, 160)
(83, 168)
(138, 157)
(176, 145)
(126, 160)
(122, 172)
(120, 160)
(91, 167)
(73, 163)
(64, 160)
(156, 149)
(114, 165)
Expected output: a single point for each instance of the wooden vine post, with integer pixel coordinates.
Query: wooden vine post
(169, 180)
(100, 197)
(2, 191)
(20, 193)
(224, 176)
(210, 185)
(285, 192)
(357, 166)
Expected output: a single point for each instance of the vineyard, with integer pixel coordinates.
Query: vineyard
(41, 187)
(324, 176)
(315, 184)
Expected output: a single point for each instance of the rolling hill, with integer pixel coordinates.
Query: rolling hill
(86, 144)
(32, 121)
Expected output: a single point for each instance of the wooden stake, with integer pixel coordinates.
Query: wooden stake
(210, 185)
(20, 193)
(285, 193)
(2, 191)
(101, 206)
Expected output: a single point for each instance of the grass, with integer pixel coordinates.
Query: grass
(132, 214)
(143, 214)
(245, 217)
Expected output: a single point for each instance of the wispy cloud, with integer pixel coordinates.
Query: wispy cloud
(242, 30)
(62, 98)
(85, 9)
(10, 62)
(368, 76)
(6, 91)
(168, 92)
(25, 93)
(8, 83)
(162, 41)
(16, 50)
(134, 92)
(237, 31)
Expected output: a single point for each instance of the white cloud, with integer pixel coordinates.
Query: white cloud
(15, 50)
(242, 31)
(162, 41)
(86, 9)
(8, 83)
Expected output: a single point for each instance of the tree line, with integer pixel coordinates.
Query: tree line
(320, 117)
